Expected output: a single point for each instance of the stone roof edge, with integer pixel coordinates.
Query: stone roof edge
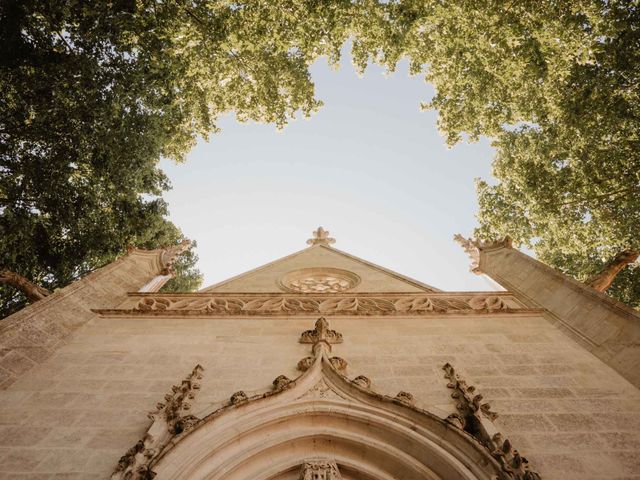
(392, 273)
(79, 284)
(611, 303)
(253, 270)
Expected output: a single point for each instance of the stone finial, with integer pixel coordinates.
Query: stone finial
(473, 248)
(169, 254)
(321, 237)
(322, 333)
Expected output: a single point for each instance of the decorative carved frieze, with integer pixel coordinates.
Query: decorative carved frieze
(319, 469)
(344, 304)
(322, 333)
(169, 419)
(476, 418)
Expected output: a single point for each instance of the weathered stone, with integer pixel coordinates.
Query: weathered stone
(87, 393)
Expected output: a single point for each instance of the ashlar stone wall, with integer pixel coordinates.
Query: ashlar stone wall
(74, 414)
(31, 335)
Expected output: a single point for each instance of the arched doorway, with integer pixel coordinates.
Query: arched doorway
(324, 418)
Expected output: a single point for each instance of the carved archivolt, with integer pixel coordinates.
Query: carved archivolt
(320, 426)
(405, 304)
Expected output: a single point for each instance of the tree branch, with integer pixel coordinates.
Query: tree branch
(32, 291)
(603, 280)
(596, 197)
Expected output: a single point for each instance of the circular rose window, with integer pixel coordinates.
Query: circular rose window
(319, 280)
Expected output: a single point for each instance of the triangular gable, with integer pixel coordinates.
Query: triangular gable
(371, 278)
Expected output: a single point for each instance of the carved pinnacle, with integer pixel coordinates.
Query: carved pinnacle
(322, 333)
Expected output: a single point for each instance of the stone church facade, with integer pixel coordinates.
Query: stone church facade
(322, 365)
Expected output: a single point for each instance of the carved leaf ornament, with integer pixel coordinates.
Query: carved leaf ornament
(473, 417)
(406, 304)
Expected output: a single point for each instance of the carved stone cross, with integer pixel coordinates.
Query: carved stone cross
(321, 237)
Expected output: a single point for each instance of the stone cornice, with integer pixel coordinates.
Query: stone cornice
(208, 304)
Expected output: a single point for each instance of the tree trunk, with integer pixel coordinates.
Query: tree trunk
(603, 280)
(32, 292)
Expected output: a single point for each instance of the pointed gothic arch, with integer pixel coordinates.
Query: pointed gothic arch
(322, 426)
(323, 415)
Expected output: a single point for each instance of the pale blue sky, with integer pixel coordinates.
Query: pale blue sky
(369, 166)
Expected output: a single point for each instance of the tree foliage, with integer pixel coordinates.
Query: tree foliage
(556, 86)
(93, 94)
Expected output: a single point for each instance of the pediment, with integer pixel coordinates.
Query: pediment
(320, 269)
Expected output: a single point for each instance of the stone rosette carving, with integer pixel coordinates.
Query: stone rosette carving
(319, 469)
(319, 280)
(418, 304)
(476, 418)
(169, 419)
